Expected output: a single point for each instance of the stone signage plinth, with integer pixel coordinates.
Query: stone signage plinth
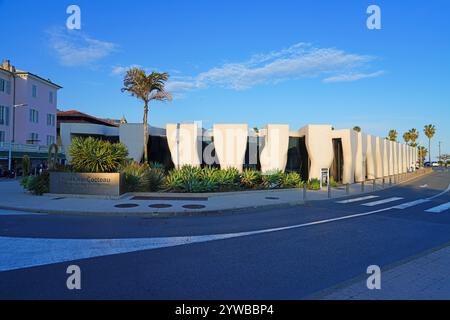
(99, 184)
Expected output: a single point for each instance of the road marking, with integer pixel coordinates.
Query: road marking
(411, 204)
(20, 253)
(376, 203)
(20, 213)
(357, 199)
(424, 186)
(439, 209)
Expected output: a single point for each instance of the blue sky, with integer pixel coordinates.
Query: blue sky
(256, 62)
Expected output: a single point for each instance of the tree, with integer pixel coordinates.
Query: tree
(392, 135)
(357, 129)
(422, 154)
(414, 135)
(146, 88)
(430, 131)
(407, 137)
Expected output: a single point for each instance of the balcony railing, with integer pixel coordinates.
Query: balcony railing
(16, 147)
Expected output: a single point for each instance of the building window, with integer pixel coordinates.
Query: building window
(2, 85)
(2, 136)
(34, 91)
(8, 87)
(51, 120)
(50, 140)
(34, 116)
(50, 97)
(34, 138)
(4, 115)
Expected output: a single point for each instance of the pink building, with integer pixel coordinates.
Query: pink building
(30, 102)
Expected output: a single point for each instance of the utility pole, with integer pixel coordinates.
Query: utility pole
(440, 151)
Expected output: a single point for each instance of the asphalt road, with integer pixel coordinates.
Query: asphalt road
(289, 253)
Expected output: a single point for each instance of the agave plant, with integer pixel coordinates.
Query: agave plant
(292, 180)
(93, 155)
(272, 179)
(250, 178)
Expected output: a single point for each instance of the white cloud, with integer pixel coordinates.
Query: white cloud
(353, 77)
(75, 48)
(121, 70)
(301, 60)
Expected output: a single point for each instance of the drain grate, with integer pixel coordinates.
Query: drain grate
(126, 205)
(194, 206)
(272, 198)
(160, 206)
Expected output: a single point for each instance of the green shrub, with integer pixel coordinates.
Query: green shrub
(272, 179)
(24, 181)
(333, 182)
(227, 179)
(38, 185)
(314, 184)
(192, 179)
(142, 177)
(251, 179)
(93, 155)
(292, 180)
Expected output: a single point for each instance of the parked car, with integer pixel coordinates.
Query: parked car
(435, 164)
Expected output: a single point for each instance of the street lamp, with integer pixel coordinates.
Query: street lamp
(11, 138)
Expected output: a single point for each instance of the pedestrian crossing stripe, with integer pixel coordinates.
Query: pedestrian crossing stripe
(357, 199)
(376, 203)
(439, 209)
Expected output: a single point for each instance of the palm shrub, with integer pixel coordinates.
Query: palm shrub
(314, 184)
(134, 176)
(38, 185)
(272, 179)
(250, 179)
(292, 180)
(227, 179)
(93, 155)
(333, 182)
(154, 178)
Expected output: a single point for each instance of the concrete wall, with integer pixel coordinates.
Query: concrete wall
(361, 157)
(319, 143)
(275, 142)
(132, 135)
(371, 157)
(230, 141)
(188, 149)
(378, 157)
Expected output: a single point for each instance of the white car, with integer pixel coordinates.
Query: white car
(434, 164)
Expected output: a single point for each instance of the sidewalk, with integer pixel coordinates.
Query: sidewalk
(13, 197)
(423, 278)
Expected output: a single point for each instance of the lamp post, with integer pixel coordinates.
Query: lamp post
(11, 140)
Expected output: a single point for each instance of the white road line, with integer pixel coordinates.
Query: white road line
(439, 209)
(411, 204)
(357, 199)
(20, 213)
(376, 203)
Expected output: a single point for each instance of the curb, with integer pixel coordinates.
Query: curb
(192, 213)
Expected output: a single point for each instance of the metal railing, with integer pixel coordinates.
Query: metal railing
(16, 147)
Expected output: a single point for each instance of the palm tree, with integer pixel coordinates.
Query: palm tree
(407, 137)
(146, 88)
(357, 129)
(414, 135)
(422, 154)
(392, 135)
(429, 131)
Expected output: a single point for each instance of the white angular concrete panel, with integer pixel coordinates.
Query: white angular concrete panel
(230, 141)
(361, 155)
(385, 153)
(378, 157)
(319, 143)
(349, 149)
(275, 147)
(391, 158)
(371, 157)
(185, 144)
